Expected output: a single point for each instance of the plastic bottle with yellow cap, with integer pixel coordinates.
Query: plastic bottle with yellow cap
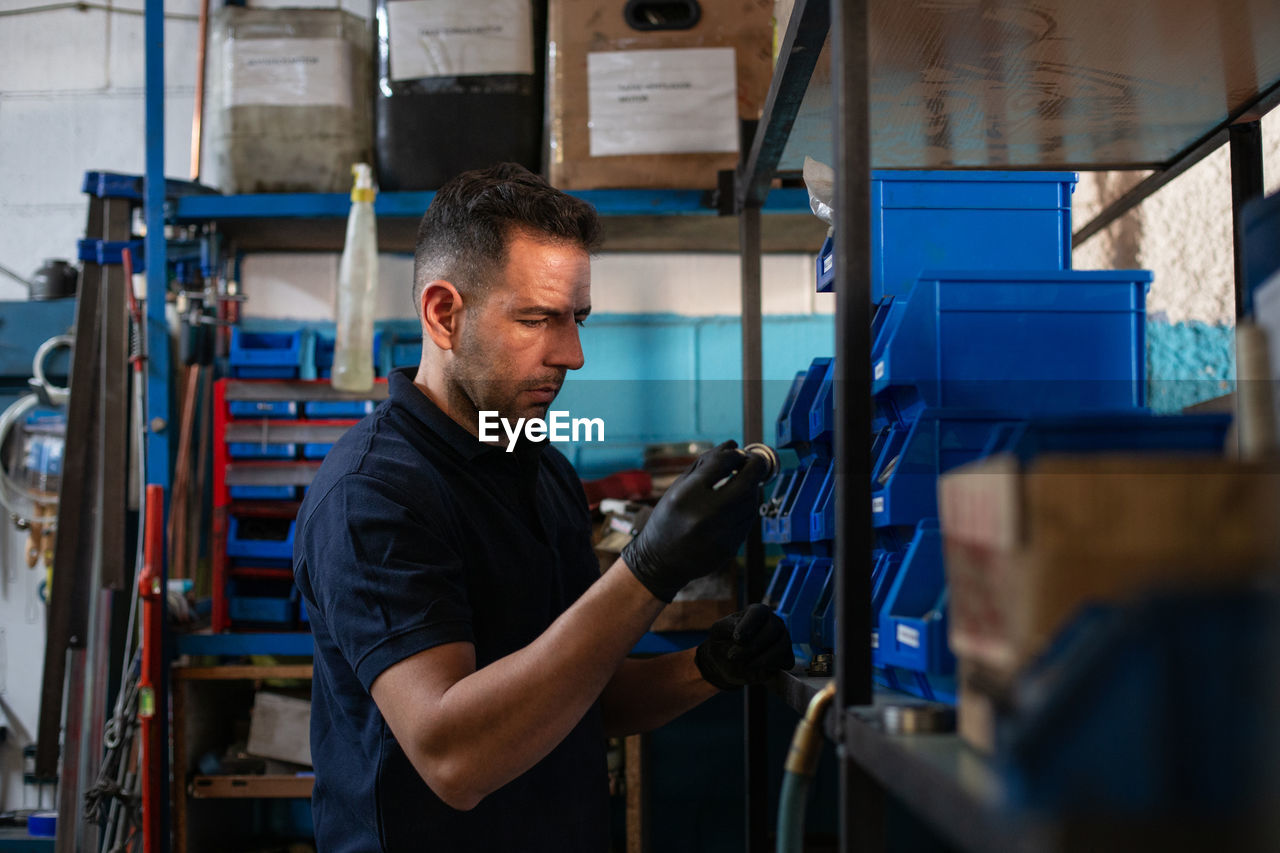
(357, 287)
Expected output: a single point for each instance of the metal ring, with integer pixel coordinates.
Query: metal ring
(57, 394)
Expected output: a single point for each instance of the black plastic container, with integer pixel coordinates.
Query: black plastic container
(430, 128)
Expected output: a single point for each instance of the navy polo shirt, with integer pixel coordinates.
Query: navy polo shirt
(414, 534)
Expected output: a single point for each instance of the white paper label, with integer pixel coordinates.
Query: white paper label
(827, 263)
(879, 370)
(875, 639)
(443, 38)
(908, 636)
(288, 72)
(662, 101)
(877, 504)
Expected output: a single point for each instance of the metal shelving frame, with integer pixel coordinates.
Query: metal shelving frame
(942, 782)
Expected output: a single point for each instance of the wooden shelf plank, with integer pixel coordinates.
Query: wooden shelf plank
(251, 787)
(241, 673)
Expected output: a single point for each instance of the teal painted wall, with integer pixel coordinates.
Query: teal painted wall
(1188, 363)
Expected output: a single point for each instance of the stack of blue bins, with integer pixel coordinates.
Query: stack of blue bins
(259, 547)
(979, 325)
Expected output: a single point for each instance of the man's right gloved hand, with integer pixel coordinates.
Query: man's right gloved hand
(695, 529)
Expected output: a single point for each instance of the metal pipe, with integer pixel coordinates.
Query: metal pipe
(197, 112)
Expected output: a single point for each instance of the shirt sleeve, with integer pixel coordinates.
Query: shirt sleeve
(387, 582)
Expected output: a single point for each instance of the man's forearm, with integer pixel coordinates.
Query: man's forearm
(646, 694)
(495, 723)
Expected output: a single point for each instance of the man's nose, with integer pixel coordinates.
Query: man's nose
(566, 350)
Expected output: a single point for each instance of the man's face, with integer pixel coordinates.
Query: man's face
(517, 344)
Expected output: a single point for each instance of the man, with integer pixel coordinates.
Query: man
(470, 656)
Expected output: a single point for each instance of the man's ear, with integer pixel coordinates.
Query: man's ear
(441, 311)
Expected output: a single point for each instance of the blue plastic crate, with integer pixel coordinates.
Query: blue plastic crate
(316, 451)
(1023, 342)
(1261, 242)
(912, 456)
(263, 493)
(822, 420)
(791, 520)
(282, 409)
(257, 450)
(261, 609)
(913, 617)
(324, 354)
(974, 220)
(338, 409)
(260, 539)
(793, 421)
(800, 598)
(1129, 433)
(781, 577)
(265, 355)
(407, 353)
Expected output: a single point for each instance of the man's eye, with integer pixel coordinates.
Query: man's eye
(582, 322)
(534, 324)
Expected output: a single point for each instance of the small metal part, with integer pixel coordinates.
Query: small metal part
(158, 424)
(918, 719)
(822, 664)
(768, 454)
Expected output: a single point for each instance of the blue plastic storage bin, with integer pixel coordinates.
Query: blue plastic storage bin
(822, 419)
(406, 353)
(791, 520)
(261, 609)
(1023, 342)
(1261, 242)
(800, 598)
(781, 577)
(1129, 433)
(913, 617)
(912, 456)
(973, 220)
(281, 409)
(265, 355)
(263, 493)
(338, 409)
(257, 450)
(316, 451)
(324, 354)
(793, 421)
(260, 539)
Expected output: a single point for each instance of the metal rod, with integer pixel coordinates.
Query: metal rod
(755, 754)
(197, 112)
(1181, 162)
(797, 56)
(852, 147)
(1246, 185)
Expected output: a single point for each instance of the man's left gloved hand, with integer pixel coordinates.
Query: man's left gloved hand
(748, 647)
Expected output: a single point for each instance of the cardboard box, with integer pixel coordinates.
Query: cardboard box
(280, 728)
(1026, 548)
(651, 108)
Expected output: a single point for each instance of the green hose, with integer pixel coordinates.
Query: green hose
(802, 763)
(791, 808)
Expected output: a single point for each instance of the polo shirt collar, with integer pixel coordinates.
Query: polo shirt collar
(403, 392)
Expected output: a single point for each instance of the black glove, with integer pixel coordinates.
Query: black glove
(695, 529)
(748, 647)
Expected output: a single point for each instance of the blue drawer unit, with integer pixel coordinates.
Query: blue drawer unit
(822, 418)
(793, 521)
(1022, 342)
(256, 450)
(912, 456)
(800, 597)
(279, 409)
(260, 539)
(962, 220)
(338, 409)
(263, 493)
(265, 355)
(781, 577)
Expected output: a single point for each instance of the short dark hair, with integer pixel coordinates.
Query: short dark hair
(464, 235)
